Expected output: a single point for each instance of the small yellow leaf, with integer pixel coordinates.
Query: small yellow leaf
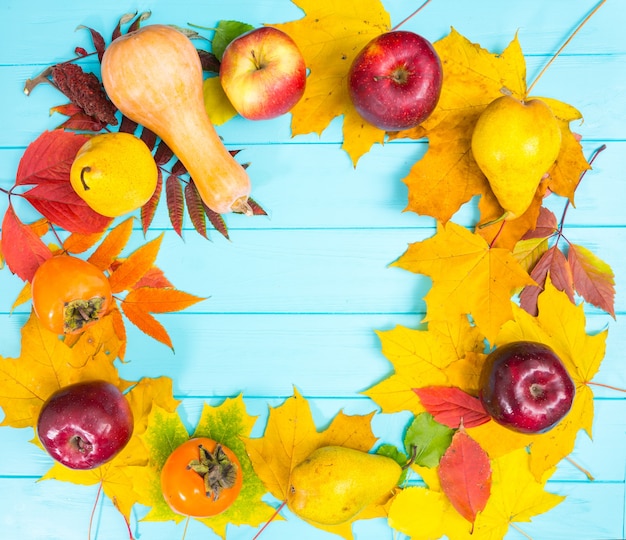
(217, 105)
(23, 296)
(329, 36)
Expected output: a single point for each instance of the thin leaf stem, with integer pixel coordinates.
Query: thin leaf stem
(274, 515)
(186, 526)
(93, 511)
(580, 468)
(406, 19)
(602, 385)
(593, 157)
(558, 52)
(519, 530)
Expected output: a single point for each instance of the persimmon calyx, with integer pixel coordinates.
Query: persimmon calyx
(217, 471)
(79, 312)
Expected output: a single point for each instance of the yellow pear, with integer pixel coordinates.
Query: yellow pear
(114, 173)
(515, 143)
(333, 484)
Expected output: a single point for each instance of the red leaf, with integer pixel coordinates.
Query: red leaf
(49, 158)
(546, 225)
(148, 210)
(82, 122)
(148, 137)
(59, 203)
(163, 154)
(195, 208)
(154, 279)
(552, 262)
(594, 280)
(175, 202)
(465, 475)
(98, 41)
(217, 221)
(178, 168)
(23, 250)
(452, 407)
(127, 125)
(256, 208)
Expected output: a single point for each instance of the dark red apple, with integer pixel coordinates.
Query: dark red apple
(395, 81)
(525, 387)
(86, 424)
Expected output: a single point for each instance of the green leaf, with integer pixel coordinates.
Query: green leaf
(225, 32)
(428, 439)
(390, 451)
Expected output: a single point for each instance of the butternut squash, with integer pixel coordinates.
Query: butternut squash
(154, 76)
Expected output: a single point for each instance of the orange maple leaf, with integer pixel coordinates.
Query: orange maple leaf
(329, 36)
(469, 277)
(291, 435)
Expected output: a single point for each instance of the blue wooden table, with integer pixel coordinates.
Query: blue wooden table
(295, 297)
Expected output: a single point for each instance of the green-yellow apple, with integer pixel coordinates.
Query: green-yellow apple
(395, 81)
(263, 73)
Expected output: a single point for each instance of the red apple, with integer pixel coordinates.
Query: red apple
(263, 73)
(86, 424)
(525, 387)
(395, 81)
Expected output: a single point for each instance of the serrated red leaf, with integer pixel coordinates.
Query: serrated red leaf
(195, 208)
(49, 158)
(256, 208)
(22, 248)
(217, 221)
(163, 153)
(148, 137)
(465, 475)
(155, 279)
(593, 279)
(552, 262)
(82, 122)
(59, 203)
(175, 202)
(452, 406)
(127, 125)
(178, 168)
(149, 209)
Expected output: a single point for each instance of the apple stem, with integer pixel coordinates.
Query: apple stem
(93, 511)
(411, 15)
(274, 516)
(581, 469)
(576, 30)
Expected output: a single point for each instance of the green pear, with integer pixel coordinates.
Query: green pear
(334, 483)
(515, 143)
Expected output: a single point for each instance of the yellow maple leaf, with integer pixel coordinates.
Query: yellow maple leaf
(44, 366)
(424, 513)
(329, 36)
(226, 423)
(469, 277)
(447, 176)
(117, 484)
(423, 358)
(291, 435)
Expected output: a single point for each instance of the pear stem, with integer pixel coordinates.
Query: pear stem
(576, 30)
(411, 15)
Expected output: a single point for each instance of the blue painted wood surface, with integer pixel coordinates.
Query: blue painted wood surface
(295, 297)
